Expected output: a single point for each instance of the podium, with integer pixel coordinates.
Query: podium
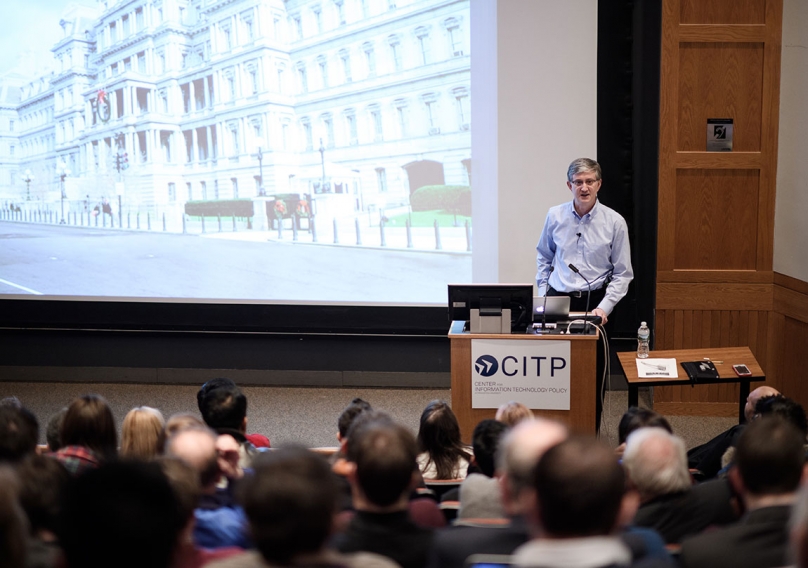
(583, 396)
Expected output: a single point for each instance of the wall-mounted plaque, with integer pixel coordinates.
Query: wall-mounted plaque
(719, 135)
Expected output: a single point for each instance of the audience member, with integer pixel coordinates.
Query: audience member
(707, 458)
(788, 409)
(121, 514)
(290, 501)
(769, 464)
(581, 503)
(799, 530)
(225, 410)
(520, 450)
(479, 494)
(257, 440)
(347, 416)
(656, 463)
(636, 418)
(217, 523)
(383, 472)
(12, 522)
(443, 455)
(42, 482)
(512, 413)
(88, 434)
(140, 434)
(19, 433)
(184, 482)
(54, 429)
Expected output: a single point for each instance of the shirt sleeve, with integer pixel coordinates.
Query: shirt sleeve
(546, 252)
(622, 274)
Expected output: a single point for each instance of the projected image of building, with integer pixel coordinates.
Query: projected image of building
(356, 102)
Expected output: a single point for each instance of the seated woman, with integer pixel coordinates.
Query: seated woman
(443, 455)
(141, 433)
(88, 434)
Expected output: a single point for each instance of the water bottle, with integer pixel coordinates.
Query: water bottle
(643, 336)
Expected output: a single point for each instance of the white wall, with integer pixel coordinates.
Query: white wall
(791, 210)
(528, 125)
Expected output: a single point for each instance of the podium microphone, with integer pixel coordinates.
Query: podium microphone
(588, 292)
(544, 308)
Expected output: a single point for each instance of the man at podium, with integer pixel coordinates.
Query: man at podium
(584, 253)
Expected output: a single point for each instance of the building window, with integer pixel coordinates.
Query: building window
(138, 19)
(285, 134)
(345, 58)
(401, 117)
(234, 185)
(252, 74)
(424, 45)
(113, 32)
(455, 37)
(230, 79)
(461, 96)
(172, 192)
(395, 52)
(431, 114)
(11, 126)
(381, 179)
(226, 37)
(125, 25)
(350, 127)
(297, 26)
(281, 79)
(190, 188)
(370, 59)
(204, 186)
(216, 189)
(234, 139)
(340, 6)
(249, 28)
(376, 121)
(328, 128)
(318, 19)
(322, 63)
(307, 135)
(303, 78)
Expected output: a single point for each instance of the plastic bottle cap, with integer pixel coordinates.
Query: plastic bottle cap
(643, 324)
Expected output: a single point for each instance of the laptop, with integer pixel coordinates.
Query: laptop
(558, 307)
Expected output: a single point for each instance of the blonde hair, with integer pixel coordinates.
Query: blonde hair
(512, 413)
(141, 432)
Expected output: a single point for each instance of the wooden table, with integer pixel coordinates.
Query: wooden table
(723, 358)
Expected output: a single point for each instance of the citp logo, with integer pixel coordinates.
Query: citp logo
(486, 365)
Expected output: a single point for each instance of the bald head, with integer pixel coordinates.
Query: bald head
(197, 448)
(656, 462)
(520, 451)
(754, 397)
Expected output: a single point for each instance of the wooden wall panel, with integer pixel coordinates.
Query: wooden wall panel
(715, 241)
(723, 12)
(716, 219)
(720, 80)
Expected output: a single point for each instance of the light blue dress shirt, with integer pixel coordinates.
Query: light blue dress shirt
(597, 244)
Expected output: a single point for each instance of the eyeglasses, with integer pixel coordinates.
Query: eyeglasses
(584, 182)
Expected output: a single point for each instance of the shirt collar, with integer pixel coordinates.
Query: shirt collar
(592, 212)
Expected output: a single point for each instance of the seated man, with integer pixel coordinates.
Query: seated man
(224, 409)
(769, 463)
(656, 464)
(581, 503)
(19, 433)
(520, 451)
(216, 525)
(290, 502)
(122, 514)
(706, 458)
(257, 440)
(382, 472)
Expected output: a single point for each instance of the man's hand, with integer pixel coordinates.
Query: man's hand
(601, 313)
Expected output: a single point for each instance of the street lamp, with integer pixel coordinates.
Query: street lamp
(63, 171)
(322, 162)
(261, 191)
(28, 178)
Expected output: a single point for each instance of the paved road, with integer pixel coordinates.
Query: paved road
(74, 261)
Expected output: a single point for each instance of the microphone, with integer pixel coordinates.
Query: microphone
(544, 308)
(588, 292)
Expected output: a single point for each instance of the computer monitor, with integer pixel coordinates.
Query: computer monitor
(491, 300)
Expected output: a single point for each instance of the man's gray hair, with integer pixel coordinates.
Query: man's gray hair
(656, 462)
(582, 165)
(522, 447)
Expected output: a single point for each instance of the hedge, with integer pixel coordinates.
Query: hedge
(224, 207)
(449, 198)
